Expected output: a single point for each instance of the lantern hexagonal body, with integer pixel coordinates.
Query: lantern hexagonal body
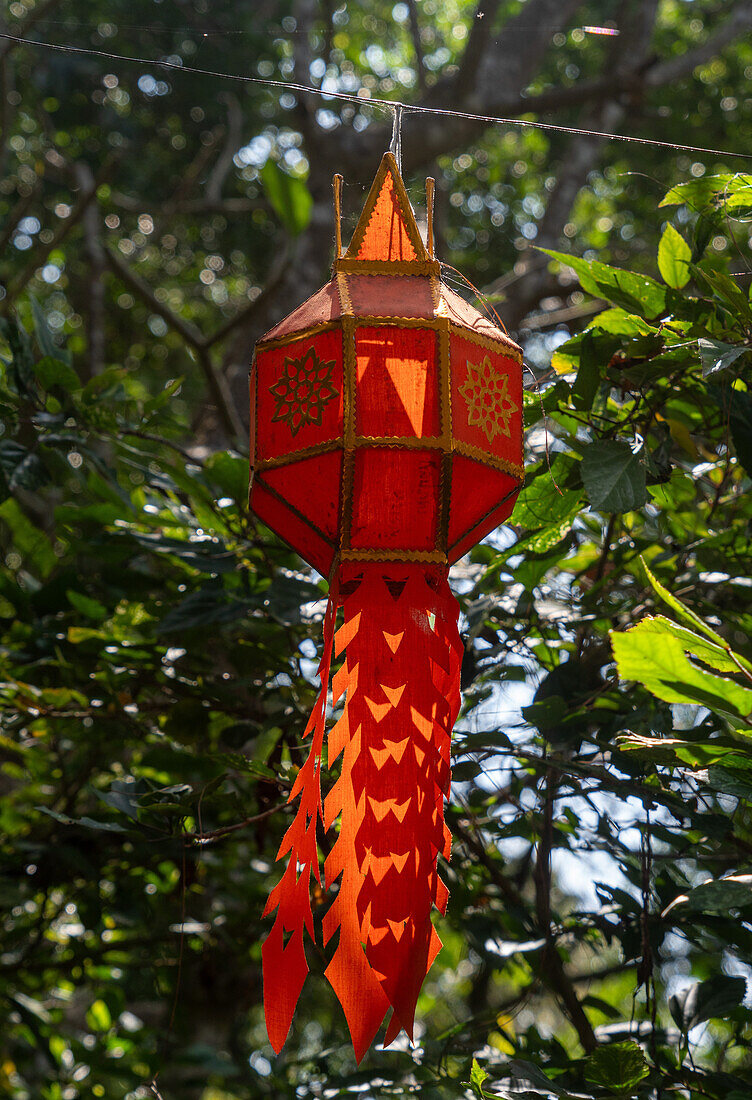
(387, 411)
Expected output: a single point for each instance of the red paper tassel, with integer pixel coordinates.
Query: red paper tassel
(400, 677)
(283, 959)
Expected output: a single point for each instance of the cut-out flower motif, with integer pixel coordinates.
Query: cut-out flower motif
(488, 402)
(303, 390)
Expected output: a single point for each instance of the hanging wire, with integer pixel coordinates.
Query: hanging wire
(395, 146)
(363, 97)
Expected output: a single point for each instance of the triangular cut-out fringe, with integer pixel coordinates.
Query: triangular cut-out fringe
(401, 703)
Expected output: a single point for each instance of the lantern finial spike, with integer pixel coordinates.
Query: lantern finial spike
(337, 188)
(430, 188)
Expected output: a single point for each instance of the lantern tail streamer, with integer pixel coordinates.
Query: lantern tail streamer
(283, 954)
(401, 680)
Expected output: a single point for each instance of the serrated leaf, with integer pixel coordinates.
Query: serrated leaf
(674, 257)
(613, 476)
(619, 1067)
(477, 1076)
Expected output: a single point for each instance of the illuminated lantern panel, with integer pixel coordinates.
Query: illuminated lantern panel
(386, 441)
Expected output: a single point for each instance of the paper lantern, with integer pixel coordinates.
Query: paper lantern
(386, 441)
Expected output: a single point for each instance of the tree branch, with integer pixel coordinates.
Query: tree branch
(75, 216)
(675, 68)
(233, 139)
(193, 337)
(94, 252)
(418, 45)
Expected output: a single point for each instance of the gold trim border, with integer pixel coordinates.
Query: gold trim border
(490, 343)
(352, 266)
(428, 443)
(429, 556)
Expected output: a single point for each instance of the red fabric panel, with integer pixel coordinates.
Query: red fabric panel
(391, 295)
(287, 371)
(296, 532)
(386, 237)
(395, 499)
(484, 528)
(476, 489)
(486, 399)
(324, 305)
(312, 486)
(398, 389)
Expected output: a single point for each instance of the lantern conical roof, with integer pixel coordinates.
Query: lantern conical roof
(388, 271)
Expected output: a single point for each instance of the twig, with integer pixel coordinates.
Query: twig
(192, 336)
(64, 229)
(215, 834)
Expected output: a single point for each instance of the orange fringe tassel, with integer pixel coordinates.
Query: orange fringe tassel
(400, 678)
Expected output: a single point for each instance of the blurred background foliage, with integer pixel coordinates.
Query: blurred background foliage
(156, 645)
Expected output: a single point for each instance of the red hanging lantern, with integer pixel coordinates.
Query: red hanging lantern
(386, 440)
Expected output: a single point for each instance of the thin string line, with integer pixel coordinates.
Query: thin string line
(388, 104)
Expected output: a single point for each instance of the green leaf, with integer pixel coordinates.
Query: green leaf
(613, 476)
(619, 1067)
(289, 197)
(23, 469)
(635, 293)
(98, 1016)
(674, 257)
(720, 895)
(588, 376)
(477, 1076)
(526, 1071)
(708, 652)
(51, 372)
(724, 287)
(43, 333)
(717, 356)
(688, 615)
(93, 609)
(621, 323)
(86, 822)
(230, 473)
(29, 541)
(712, 999)
(696, 193)
(649, 655)
(740, 423)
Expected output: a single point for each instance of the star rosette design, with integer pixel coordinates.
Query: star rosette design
(488, 402)
(303, 391)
